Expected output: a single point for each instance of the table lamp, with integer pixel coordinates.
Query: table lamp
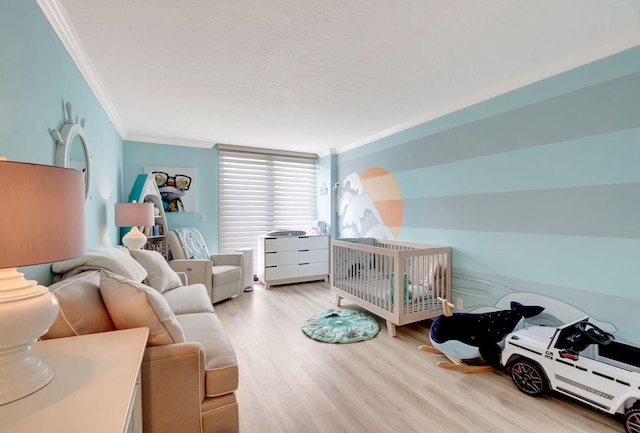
(41, 221)
(134, 215)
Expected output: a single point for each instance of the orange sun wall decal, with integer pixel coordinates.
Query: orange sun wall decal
(383, 189)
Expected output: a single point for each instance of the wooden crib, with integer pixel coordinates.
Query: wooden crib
(395, 280)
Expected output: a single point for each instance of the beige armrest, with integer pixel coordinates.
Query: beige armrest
(173, 388)
(184, 279)
(198, 271)
(233, 259)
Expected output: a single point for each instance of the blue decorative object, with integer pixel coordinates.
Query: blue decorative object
(462, 336)
(340, 326)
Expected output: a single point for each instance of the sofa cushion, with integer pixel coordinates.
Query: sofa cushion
(81, 308)
(221, 375)
(189, 299)
(160, 276)
(225, 274)
(112, 259)
(134, 305)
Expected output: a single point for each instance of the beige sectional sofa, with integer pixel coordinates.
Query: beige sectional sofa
(189, 372)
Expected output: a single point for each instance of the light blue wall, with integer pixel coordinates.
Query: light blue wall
(137, 155)
(327, 166)
(537, 190)
(37, 77)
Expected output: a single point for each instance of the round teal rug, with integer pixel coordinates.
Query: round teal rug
(340, 326)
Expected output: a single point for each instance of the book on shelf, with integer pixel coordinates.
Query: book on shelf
(156, 245)
(159, 230)
(156, 230)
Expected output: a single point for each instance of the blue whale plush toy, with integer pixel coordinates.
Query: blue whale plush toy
(473, 335)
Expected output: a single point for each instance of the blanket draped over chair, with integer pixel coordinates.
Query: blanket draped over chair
(193, 244)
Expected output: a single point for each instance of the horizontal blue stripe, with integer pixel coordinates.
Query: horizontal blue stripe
(604, 210)
(599, 160)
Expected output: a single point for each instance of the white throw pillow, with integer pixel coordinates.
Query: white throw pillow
(135, 305)
(110, 259)
(160, 276)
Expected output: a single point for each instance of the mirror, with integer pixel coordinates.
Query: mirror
(72, 150)
(78, 154)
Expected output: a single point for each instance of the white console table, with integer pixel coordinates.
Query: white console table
(96, 387)
(292, 259)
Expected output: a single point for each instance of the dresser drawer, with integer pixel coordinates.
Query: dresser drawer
(313, 269)
(281, 272)
(310, 256)
(281, 244)
(313, 243)
(281, 258)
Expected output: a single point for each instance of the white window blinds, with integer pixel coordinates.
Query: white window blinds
(259, 192)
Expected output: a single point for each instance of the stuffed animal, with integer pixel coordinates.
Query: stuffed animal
(461, 336)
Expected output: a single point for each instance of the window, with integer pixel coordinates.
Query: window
(263, 191)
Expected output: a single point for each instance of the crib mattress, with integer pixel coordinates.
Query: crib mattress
(377, 291)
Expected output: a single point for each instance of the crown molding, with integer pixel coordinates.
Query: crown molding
(387, 132)
(327, 152)
(61, 23)
(263, 150)
(169, 141)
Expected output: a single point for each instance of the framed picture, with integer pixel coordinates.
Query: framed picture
(177, 187)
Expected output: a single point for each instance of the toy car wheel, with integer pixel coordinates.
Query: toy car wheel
(632, 420)
(528, 377)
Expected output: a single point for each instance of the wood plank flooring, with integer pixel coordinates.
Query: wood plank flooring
(290, 383)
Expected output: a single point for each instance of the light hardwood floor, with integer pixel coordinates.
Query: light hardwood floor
(291, 383)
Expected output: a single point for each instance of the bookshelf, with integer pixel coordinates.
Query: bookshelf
(146, 190)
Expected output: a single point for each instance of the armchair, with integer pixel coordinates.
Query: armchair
(220, 273)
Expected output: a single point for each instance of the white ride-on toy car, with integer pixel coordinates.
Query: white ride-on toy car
(579, 360)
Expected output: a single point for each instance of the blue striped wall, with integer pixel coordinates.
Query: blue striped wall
(537, 190)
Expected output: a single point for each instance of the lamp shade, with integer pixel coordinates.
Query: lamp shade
(41, 221)
(134, 214)
(42, 217)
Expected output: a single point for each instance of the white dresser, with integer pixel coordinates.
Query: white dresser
(292, 259)
(96, 387)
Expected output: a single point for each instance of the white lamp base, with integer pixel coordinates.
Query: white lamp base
(135, 239)
(27, 310)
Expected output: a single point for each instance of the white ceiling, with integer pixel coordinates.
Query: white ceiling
(314, 75)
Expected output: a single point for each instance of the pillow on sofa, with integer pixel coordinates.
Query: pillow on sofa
(81, 308)
(160, 276)
(133, 305)
(112, 259)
